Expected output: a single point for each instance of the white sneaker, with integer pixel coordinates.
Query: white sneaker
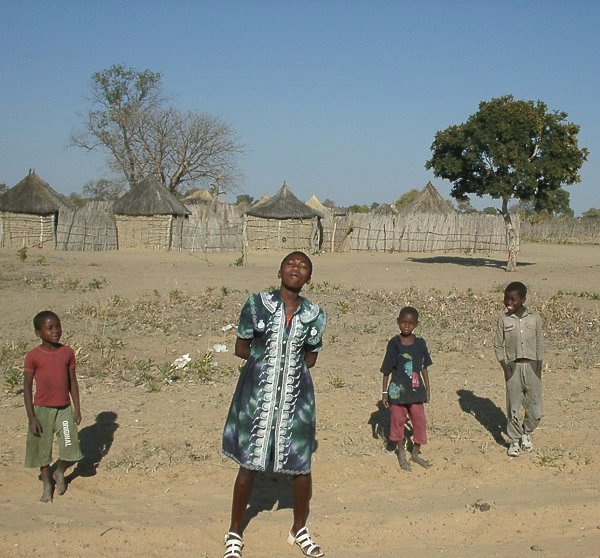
(526, 442)
(513, 450)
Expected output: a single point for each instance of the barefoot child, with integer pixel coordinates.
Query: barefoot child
(271, 421)
(51, 366)
(405, 386)
(519, 345)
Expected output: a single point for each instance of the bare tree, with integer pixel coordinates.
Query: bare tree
(130, 119)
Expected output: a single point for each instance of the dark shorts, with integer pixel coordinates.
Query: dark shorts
(55, 421)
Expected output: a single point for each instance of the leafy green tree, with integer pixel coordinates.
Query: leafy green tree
(511, 149)
(490, 211)
(245, 199)
(406, 198)
(329, 203)
(3, 188)
(374, 206)
(130, 119)
(356, 208)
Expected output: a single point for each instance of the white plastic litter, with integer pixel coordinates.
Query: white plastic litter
(228, 327)
(219, 348)
(181, 362)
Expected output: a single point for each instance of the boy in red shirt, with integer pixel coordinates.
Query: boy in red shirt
(55, 407)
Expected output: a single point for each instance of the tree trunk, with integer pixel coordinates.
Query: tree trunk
(511, 238)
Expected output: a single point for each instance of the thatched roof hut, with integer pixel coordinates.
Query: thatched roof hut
(29, 213)
(149, 197)
(385, 209)
(265, 198)
(149, 216)
(429, 201)
(282, 222)
(283, 205)
(316, 205)
(202, 195)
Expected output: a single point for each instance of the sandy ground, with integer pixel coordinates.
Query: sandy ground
(156, 483)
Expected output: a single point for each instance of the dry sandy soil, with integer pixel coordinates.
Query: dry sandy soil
(155, 483)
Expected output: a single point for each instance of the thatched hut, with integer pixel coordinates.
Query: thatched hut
(282, 222)
(429, 201)
(149, 216)
(202, 195)
(317, 205)
(29, 214)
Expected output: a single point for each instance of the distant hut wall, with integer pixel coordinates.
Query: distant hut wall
(421, 232)
(90, 228)
(147, 232)
(212, 227)
(24, 230)
(279, 234)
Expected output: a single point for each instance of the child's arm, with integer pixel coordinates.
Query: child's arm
(34, 423)
(425, 375)
(310, 359)
(74, 391)
(384, 390)
(499, 349)
(242, 348)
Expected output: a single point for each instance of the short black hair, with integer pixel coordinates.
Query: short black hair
(516, 286)
(409, 311)
(298, 253)
(40, 317)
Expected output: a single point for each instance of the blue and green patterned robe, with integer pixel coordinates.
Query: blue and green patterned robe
(272, 414)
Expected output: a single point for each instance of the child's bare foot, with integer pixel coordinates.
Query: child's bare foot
(404, 464)
(59, 479)
(416, 457)
(46, 493)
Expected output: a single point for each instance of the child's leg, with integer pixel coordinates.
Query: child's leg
(59, 475)
(419, 423)
(514, 399)
(46, 484)
(241, 495)
(299, 535)
(398, 418)
(532, 399)
(302, 493)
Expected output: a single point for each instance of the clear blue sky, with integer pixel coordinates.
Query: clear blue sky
(338, 98)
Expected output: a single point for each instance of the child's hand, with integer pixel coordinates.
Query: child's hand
(77, 417)
(428, 396)
(384, 400)
(35, 427)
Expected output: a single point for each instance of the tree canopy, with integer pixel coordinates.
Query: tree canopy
(511, 149)
(131, 120)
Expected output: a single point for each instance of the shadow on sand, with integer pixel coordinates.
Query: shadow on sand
(467, 261)
(95, 442)
(486, 412)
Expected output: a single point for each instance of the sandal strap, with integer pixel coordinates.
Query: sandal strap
(233, 545)
(307, 545)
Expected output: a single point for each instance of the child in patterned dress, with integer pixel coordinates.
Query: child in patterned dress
(271, 420)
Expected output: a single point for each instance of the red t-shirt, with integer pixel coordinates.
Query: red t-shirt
(50, 371)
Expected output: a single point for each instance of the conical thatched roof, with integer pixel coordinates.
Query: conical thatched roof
(201, 195)
(316, 204)
(149, 197)
(283, 205)
(33, 196)
(261, 201)
(429, 201)
(385, 209)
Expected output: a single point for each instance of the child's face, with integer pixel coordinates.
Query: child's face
(295, 272)
(513, 302)
(50, 331)
(407, 324)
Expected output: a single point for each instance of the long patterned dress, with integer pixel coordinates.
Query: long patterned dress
(272, 413)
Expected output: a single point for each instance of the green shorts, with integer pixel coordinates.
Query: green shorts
(55, 421)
